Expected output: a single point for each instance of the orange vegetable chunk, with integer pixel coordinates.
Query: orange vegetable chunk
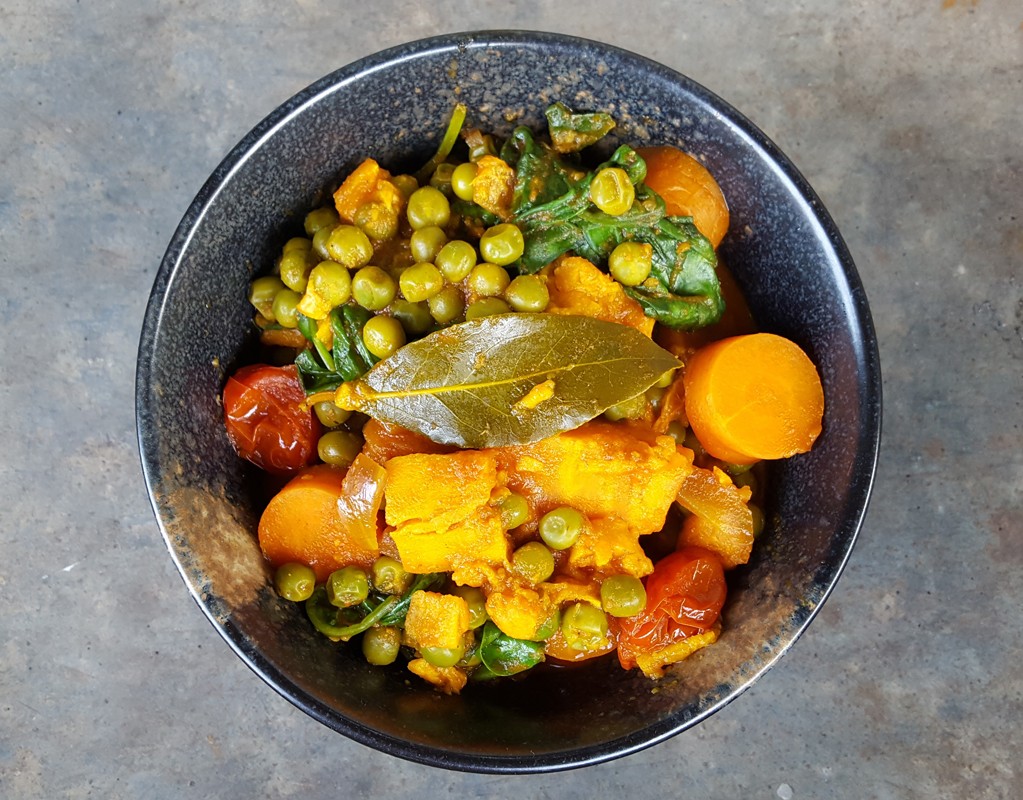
(439, 505)
(688, 189)
(302, 523)
(436, 620)
(578, 287)
(753, 397)
(493, 186)
(602, 469)
(367, 183)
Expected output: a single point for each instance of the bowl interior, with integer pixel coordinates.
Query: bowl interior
(784, 251)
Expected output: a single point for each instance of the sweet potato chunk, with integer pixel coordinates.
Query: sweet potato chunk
(607, 547)
(367, 183)
(603, 469)
(436, 620)
(478, 539)
(435, 491)
(577, 287)
(450, 680)
(439, 505)
(493, 186)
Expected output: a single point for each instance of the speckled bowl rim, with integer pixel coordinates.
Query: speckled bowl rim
(869, 380)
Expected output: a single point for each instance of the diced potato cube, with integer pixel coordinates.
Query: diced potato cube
(479, 539)
(578, 287)
(607, 547)
(436, 620)
(450, 680)
(602, 469)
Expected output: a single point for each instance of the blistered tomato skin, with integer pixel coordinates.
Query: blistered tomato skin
(267, 421)
(685, 594)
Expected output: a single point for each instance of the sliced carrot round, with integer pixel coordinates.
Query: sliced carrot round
(688, 189)
(753, 397)
(302, 523)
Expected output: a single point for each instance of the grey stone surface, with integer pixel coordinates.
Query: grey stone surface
(905, 116)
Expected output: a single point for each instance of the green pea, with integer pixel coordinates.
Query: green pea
(294, 581)
(298, 244)
(622, 596)
(383, 335)
(414, 317)
(338, 448)
(320, 239)
(427, 242)
(633, 408)
(487, 307)
(561, 527)
(390, 577)
(456, 260)
(330, 415)
(693, 443)
(461, 180)
(477, 603)
(441, 178)
(447, 305)
(428, 206)
(630, 263)
(527, 293)
(487, 280)
(421, 282)
(331, 283)
(677, 431)
(514, 511)
(584, 627)
(373, 289)
(747, 478)
(406, 184)
(612, 192)
(443, 656)
(381, 646)
(285, 308)
(262, 292)
(533, 561)
(325, 217)
(348, 586)
(294, 268)
(349, 246)
(378, 221)
(502, 244)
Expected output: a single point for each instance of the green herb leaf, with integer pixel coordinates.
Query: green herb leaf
(571, 132)
(508, 379)
(552, 208)
(344, 623)
(502, 655)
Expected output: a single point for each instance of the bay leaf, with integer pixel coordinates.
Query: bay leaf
(508, 379)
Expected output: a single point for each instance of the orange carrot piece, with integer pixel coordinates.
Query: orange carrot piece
(753, 397)
(301, 523)
(688, 189)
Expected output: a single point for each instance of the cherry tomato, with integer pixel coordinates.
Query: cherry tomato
(267, 421)
(685, 593)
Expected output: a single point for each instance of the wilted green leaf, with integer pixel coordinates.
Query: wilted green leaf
(508, 379)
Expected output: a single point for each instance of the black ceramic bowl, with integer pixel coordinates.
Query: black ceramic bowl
(785, 252)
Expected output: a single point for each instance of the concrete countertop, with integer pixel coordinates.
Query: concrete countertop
(904, 116)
